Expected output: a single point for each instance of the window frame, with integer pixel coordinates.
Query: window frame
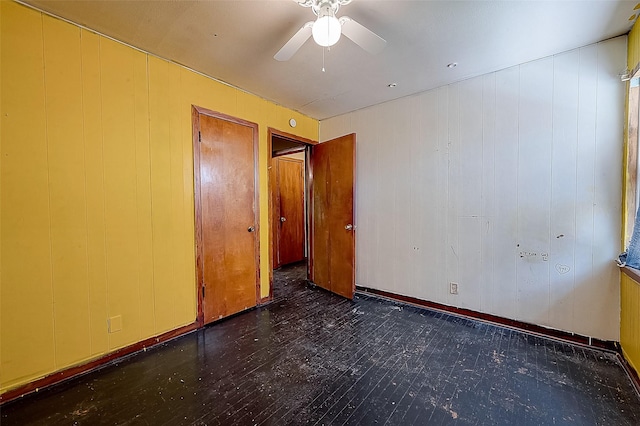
(631, 194)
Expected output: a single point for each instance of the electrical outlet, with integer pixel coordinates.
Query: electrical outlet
(453, 288)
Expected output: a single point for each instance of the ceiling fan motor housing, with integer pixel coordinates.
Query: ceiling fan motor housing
(316, 5)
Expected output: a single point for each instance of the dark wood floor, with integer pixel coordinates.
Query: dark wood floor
(314, 358)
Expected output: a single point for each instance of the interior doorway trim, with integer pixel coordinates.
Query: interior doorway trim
(196, 111)
(288, 151)
(271, 132)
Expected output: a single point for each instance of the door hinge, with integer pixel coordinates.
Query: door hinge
(203, 287)
(199, 137)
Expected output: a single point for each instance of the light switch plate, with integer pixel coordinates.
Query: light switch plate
(115, 324)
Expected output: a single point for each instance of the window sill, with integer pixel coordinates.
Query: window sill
(632, 273)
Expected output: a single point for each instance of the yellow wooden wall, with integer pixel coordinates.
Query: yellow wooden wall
(633, 47)
(630, 320)
(630, 289)
(96, 177)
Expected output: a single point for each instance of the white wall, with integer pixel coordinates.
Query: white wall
(508, 184)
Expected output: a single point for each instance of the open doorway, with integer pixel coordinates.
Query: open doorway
(288, 183)
(329, 187)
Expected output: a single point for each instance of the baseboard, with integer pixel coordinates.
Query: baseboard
(78, 370)
(631, 372)
(75, 371)
(501, 321)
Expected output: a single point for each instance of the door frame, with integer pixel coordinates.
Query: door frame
(305, 143)
(196, 111)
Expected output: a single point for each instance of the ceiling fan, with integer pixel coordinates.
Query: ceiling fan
(326, 30)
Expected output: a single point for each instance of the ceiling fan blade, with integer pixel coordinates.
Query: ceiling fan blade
(294, 43)
(363, 37)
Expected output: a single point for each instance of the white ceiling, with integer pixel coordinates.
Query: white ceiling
(234, 41)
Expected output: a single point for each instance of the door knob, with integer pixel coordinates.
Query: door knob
(283, 219)
(349, 227)
(251, 229)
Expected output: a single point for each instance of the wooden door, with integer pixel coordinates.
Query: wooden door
(332, 255)
(288, 210)
(226, 215)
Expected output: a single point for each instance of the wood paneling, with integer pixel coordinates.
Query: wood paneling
(630, 320)
(504, 294)
(470, 191)
(564, 160)
(94, 169)
(160, 171)
(120, 192)
(67, 190)
(144, 203)
(26, 273)
(511, 182)
(607, 184)
(534, 189)
(584, 193)
(97, 194)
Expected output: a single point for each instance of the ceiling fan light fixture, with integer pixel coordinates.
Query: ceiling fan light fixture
(327, 28)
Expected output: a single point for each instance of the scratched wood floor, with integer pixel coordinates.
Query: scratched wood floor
(314, 358)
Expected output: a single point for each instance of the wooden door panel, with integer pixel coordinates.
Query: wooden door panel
(228, 210)
(291, 191)
(332, 187)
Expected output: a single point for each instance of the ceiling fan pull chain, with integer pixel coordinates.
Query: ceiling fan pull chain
(323, 60)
